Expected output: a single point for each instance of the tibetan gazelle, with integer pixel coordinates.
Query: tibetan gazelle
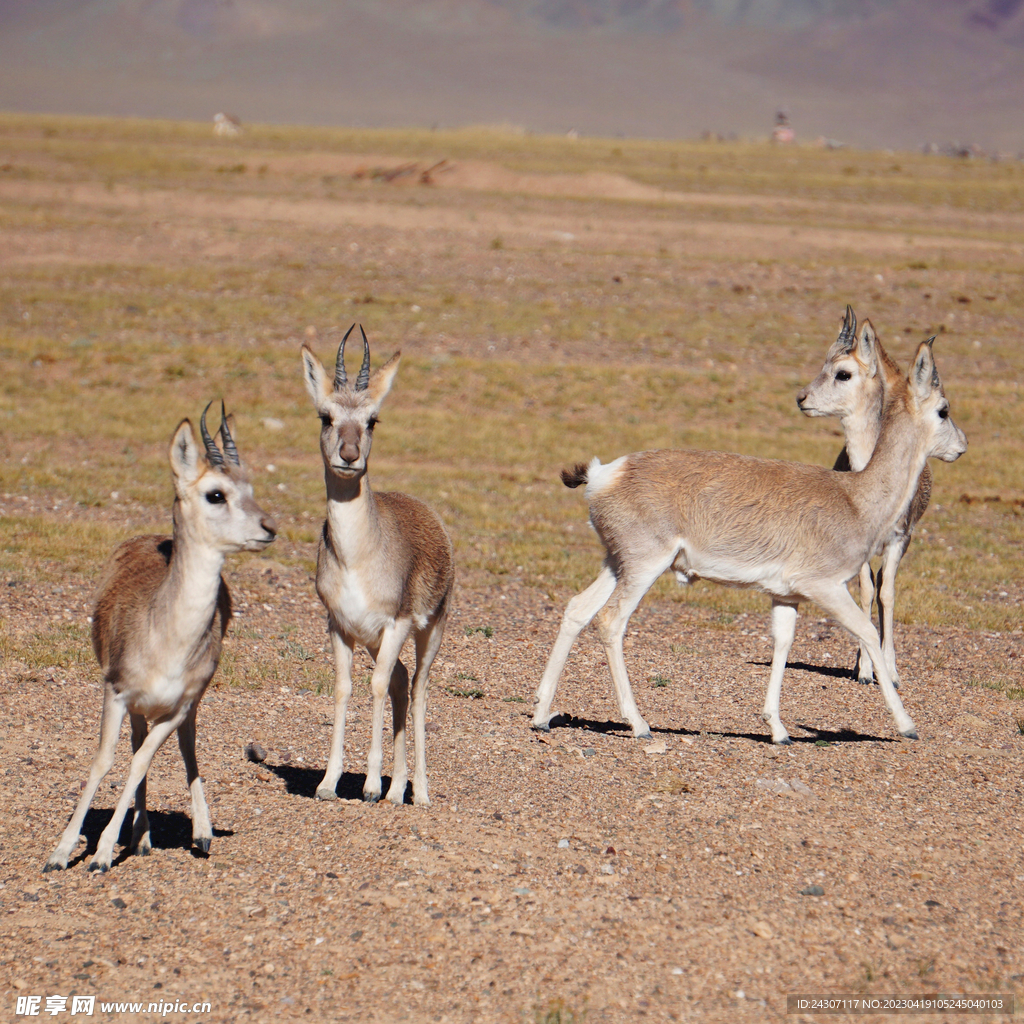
(796, 532)
(384, 572)
(162, 609)
(851, 386)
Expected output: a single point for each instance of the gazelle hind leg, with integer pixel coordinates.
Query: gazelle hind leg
(863, 669)
(578, 614)
(399, 691)
(202, 830)
(836, 600)
(612, 620)
(141, 842)
(427, 644)
(891, 558)
(783, 631)
(110, 728)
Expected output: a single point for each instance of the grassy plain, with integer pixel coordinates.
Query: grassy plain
(148, 267)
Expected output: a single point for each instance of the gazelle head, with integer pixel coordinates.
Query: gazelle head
(850, 383)
(348, 412)
(928, 401)
(214, 501)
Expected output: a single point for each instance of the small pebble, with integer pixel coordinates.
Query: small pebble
(255, 753)
(812, 890)
(563, 844)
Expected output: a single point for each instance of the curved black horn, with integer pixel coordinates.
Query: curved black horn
(225, 434)
(213, 453)
(340, 377)
(848, 334)
(363, 380)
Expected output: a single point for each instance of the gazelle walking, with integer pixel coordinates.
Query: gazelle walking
(857, 375)
(162, 609)
(796, 532)
(384, 571)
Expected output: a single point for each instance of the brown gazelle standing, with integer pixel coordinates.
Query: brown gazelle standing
(384, 571)
(858, 373)
(162, 609)
(795, 532)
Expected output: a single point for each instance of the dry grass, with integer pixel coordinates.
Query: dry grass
(525, 351)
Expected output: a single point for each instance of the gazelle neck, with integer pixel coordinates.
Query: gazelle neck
(188, 596)
(352, 517)
(862, 429)
(885, 487)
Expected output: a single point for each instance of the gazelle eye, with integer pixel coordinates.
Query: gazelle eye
(372, 422)
(944, 413)
(216, 497)
(843, 375)
(325, 420)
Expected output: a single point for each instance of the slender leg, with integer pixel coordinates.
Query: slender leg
(387, 658)
(867, 596)
(580, 610)
(836, 600)
(141, 761)
(344, 649)
(891, 558)
(141, 842)
(783, 631)
(428, 642)
(612, 620)
(110, 728)
(398, 688)
(202, 830)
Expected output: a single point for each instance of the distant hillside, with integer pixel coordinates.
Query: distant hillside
(878, 73)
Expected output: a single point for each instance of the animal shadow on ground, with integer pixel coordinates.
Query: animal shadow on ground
(566, 721)
(303, 782)
(822, 670)
(169, 830)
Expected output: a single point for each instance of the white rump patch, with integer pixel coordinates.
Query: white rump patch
(600, 478)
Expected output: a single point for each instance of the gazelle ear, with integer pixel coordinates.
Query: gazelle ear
(924, 377)
(867, 348)
(382, 379)
(185, 455)
(317, 383)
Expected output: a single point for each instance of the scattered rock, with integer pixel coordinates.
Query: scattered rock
(672, 784)
(255, 753)
(780, 787)
(657, 747)
(256, 911)
(607, 869)
(563, 844)
(589, 752)
(763, 930)
(812, 890)
(119, 903)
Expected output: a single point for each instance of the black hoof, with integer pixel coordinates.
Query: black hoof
(540, 728)
(912, 735)
(101, 868)
(371, 798)
(326, 794)
(787, 742)
(202, 845)
(48, 867)
(865, 680)
(644, 736)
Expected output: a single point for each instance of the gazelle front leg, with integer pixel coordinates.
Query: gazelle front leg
(891, 558)
(380, 683)
(141, 761)
(836, 600)
(202, 830)
(110, 728)
(398, 688)
(783, 631)
(141, 842)
(867, 596)
(344, 648)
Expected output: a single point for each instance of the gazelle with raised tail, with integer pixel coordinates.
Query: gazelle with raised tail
(795, 532)
(162, 609)
(857, 375)
(384, 572)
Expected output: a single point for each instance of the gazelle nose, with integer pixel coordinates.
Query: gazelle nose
(801, 398)
(269, 523)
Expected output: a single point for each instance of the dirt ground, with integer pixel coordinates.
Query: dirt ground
(704, 875)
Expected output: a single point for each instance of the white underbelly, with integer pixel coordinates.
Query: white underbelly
(353, 611)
